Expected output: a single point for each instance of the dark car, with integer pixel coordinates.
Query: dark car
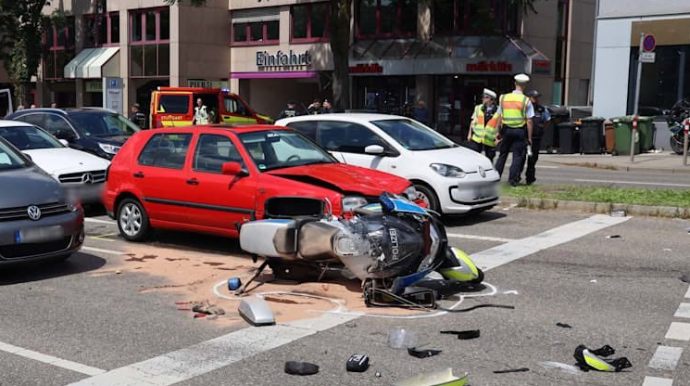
(95, 130)
(37, 221)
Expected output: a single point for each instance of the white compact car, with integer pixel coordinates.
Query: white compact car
(450, 178)
(77, 171)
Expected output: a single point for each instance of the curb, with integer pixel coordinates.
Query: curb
(626, 168)
(596, 207)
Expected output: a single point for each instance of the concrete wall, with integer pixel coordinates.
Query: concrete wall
(539, 30)
(579, 56)
(629, 8)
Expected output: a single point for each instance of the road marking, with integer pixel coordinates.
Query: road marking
(106, 251)
(503, 254)
(97, 221)
(485, 238)
(687, 294)
(683, 311)
(51, 360)
(106, 236)
(653, 381)
(190, 362)
(637, 183)
(678, 331)
(666, 358)
(546, 167)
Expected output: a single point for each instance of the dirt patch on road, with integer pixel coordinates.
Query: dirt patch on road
(194, 275)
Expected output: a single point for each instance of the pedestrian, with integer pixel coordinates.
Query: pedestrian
(484, 127)
(541, 119)
(315, 107)
(326, 108)
(136, 116)
(515, 121)
(289, 111)
(200, 113)
(421, 113)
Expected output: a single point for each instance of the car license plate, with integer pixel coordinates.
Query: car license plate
(484, 192)
(38, 235)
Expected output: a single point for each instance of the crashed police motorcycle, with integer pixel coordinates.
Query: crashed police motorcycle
(676, 117)
(398, 250)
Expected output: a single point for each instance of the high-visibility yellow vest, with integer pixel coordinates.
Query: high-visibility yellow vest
(484, 132)
(514, 107)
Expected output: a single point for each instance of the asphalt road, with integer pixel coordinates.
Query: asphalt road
(621, 291)
(549, 173)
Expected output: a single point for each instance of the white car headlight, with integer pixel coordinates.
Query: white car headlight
(351, 202)
(448, 170)
(110, 149)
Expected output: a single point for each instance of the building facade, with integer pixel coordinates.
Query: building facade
(402, 51)
(667, 80)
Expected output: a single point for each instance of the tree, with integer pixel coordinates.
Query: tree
(21, 37)
(341, 14)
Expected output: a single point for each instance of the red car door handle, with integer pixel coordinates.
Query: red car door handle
(193, 181)
(139, 175)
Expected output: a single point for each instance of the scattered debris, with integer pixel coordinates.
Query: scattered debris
(351, 325)
(464, 335)
(441, 377)
(234, 283)
(399, 338)
(564, 325)
(378, 375)
(256, 311)
(520, 370)
(570, 369)
(477, 306)
(422, 353)
(593, 281)
(301, 368)
(613, 237)
(358, 363)
(595, 359)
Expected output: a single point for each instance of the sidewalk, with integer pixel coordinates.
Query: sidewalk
(667, 161)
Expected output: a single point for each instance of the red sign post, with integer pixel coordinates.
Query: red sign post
(685, 142)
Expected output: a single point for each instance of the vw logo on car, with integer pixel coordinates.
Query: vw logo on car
(34, 212)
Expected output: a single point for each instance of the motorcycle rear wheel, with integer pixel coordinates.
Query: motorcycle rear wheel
(677, 142)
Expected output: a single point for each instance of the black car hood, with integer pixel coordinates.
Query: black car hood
(28, 186)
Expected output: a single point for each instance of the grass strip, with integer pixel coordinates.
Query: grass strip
(650, 197)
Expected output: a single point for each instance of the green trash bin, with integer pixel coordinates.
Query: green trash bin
(623, 129)
(646, 127)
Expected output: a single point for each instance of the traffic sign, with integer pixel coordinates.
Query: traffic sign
(649, 43)
(647, 57)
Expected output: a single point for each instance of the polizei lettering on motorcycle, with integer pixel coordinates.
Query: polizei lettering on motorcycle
(395, 245)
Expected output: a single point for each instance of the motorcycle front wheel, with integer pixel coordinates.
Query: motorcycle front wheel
(677, 142)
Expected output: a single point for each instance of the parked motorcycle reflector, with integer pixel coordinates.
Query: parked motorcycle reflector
(593, 359)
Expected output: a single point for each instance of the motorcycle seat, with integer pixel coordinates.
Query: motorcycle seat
(285, 239)
(315, 241)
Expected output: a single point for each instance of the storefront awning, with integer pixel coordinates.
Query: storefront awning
(450, 55)
(90, 63)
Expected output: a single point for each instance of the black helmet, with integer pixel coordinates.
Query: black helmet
(533, 94)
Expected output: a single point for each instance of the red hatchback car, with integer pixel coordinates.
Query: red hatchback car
(211, 179)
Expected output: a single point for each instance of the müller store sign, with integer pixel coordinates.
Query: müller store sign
(266, 61)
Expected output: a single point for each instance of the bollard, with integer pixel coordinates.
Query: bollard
(632, 139)
(685, 142)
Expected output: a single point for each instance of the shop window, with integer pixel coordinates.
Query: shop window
(310, 22)
(150, 47)
(664, 82)
(474, 17)
(256, 27)
(386, 18)
(102, 30)
(59, 49)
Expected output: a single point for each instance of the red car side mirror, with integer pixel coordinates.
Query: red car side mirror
(233, 169)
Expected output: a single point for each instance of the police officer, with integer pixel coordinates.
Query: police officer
(515, 114)
(137, 117)
(484, 127)
(290, 110)
(540, 120)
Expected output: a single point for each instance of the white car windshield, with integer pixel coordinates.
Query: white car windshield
(29, 138)
(277, 149)
(103, 124)
(9, 159)
(412, 135)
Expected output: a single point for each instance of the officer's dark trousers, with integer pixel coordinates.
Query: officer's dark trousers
(532, 161)
(489, 151)
(513, 141)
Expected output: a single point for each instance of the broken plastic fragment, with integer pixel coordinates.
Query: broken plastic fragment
(570, 369)
(301, 368)
(520, 370)
(422, 353)
(564, 325)
(594, 359)
(441, 377)
(464, 335)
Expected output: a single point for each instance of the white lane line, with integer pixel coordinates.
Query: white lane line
(666, 358)
(503, 254)
(637, 183)
(187, 363)
(51, 360)
(484, 238)
(99, 250)
(547, 167)
(687, 294)
(97, 221)
(653, 381)
(683, 311)
(679, 331)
